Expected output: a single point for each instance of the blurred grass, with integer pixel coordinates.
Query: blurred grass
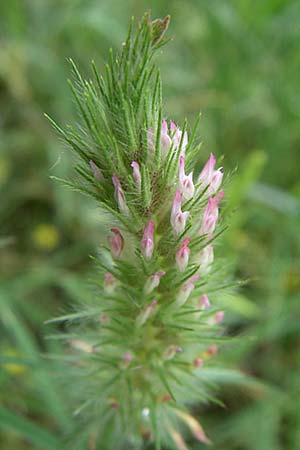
(238, 62)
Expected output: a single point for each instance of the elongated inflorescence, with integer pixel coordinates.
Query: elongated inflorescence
(150, 326)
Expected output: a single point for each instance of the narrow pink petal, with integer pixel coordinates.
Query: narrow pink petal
(136, 173)
(147, 243)
(96, 171)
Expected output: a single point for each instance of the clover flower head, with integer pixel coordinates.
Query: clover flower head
(143, 327)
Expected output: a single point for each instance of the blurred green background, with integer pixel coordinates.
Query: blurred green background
(238, 62)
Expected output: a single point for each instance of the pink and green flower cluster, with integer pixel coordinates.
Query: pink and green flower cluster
(152, 326)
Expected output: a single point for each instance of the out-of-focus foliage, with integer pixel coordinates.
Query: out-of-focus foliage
(238, 62)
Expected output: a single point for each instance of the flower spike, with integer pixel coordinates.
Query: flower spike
(149, 302)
